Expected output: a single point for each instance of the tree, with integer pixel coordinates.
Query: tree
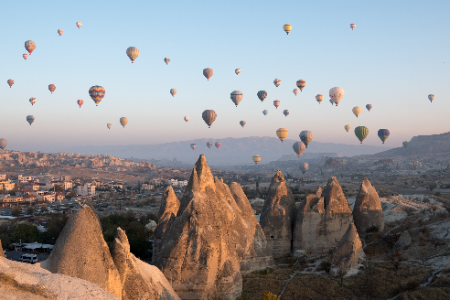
(30, 210)
(59, 188)
(341, 273)
(71, 195)
(16, 211)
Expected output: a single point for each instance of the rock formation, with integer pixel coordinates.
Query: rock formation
(322, 219)
(403, 241)
(2, 254)
(368, 211)
(331, 163)
(212, 235)
(139, 280)
(348, 253)
(167, 213)
(80, 251)
(27, 281)
(277, 217)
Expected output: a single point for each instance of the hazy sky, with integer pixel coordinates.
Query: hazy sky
(393, 60)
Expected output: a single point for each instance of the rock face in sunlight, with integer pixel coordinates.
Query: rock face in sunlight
(139, 279)
(322, 219)
(2, 254)
(214, 233)
(80, 251)
(368, 211)
(348, 253)
(167, 213)
(277, 217)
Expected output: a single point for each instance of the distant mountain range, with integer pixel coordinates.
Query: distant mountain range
(233, 151)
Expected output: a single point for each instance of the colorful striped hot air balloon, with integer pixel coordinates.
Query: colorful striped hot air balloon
(32, 101)
(132, 53)
(383, 134)
(319, 98)
(217, 144)
(276, 103)
(295, 91)
(301, 84)
(353, 25)
(208, 73)
(30, 46)
(51, 88)
(242, 123)
(97, 93)
(282, 133)
(173, 92)
(166, 60)
(209, 116)
(369, 107)
(80, 102)
(10, 82)
(277, 82)
(60, 32)
(287, 28)
(299, 147)
(236, 97)
(361, 133)
(193, 146)
(256, 158)
(262, 95)
(286, 112)
(237, 71)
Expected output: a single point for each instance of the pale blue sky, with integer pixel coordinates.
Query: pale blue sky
(393, 60)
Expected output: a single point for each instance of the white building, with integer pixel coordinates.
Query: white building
(66, 185)
(86, 190)
(176, 183)
(146, 187)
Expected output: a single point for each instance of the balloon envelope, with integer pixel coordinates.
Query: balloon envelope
(276, 103)
(304, 167)
(431, 97)
(319, 98)
(193, 146)
(186, 118)
(262, 95)
(79, 24)
(295, 91)
(336, 94)
(236, 97)
(356, 110)
(132, 53)
(10, 82)
(32, 100)
(347, 127)
(51, 88)
(242, 123)
(208, 72)
(209, 116)
(3, 143)
(383, 134)
(256, 158)
(286, 112)
(25, 56)
(60, 32)
(301, 84)
(282, 133)
(353, 25)
(209, 144)
(30, 119)
(109, 125)
(405, 144)
(287, 28)
(30, 46)
(306, 137)
(124, 121)
(173, 92)
(369, 107)
(277, 82)
(80, 102)
(265, 112)
(299, 147)
(217, 144)
(166, 60)
(97, 93)
(361, 133)
(237, 71)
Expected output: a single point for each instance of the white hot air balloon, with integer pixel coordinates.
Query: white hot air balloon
(336, 94)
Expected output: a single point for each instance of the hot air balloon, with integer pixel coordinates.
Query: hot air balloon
(336, 94)
(79, 24)
(356, 110)
(30, 46)
(60, 32)
(265, 112)
(306, 137)
(186, 118)
(209, 145)
(209, 116)
(217, 144)
(352, 26)
(331, 101)
(299, 147)
(133, 53)
(173, 92)
(80, 102)
(208, 72)
(32, 101)
(256, 158)
(97, 93)
(319, 98)
(295, 91)
(304, 167)
(276, 103)
(301, 84)
(286, 112)
(361, 133)
(431, 97)
(347, 127)
(109, 125)
(287, 28)
(237, 71)
(51, 88)
(193, 146)
(236, 97)
(166, 60)
(3, 143)
(277, 82)
(124, 121)
(282, 133)
(242, 123)
(405, 144)
(25, 56)
(262, 95)
(369, 107)
(383, 134)
(30, 119)
(10, 82)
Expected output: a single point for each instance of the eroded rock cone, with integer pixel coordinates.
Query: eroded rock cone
(167, 213)
(348, 253)
(277, 217)
(2, 254)
(197, 252)
(139, 280)
(368, 212)
(80, 251)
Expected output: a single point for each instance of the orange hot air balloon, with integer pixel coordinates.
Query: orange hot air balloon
(282, 133)
(97, 93)
(352, 26)
(295, 91)
(25, 56)
(51, 88)
(10, 82)
(60, 32)
(319, 98)
(276, 103)
(80, 102)
(301, 84)
(79, 24)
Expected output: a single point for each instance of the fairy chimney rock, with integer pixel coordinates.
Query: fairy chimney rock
(167, 213)
(139, 280)
(277, 217)
(348, 253)
(2, 254)
(368, 211)
(80, 251)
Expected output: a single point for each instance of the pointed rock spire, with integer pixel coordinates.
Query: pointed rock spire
(368, 211)
(80, 251)
(348, 253)
(139, 280)
(2, 254)
(277, 217)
